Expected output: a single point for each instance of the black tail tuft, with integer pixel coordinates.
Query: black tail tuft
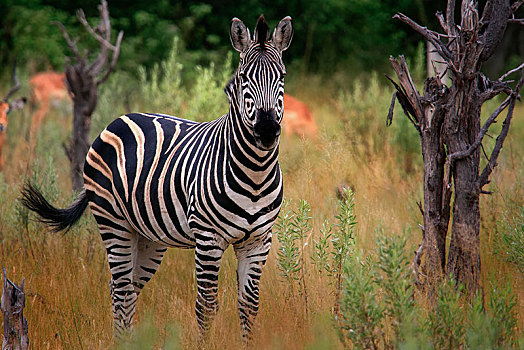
(57, 219)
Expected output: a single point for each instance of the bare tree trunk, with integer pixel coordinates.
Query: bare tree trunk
(462, 128)
(15, 325)
(436, 216)
(448, 121)
(83, 79)
(85, 97)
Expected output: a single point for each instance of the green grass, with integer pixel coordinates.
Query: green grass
(68, 304)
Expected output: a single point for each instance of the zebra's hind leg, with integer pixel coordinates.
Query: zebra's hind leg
(251, 255)
(121, 249)
(148, 258)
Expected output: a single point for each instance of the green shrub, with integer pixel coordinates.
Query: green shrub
(510, 243)
(207, 100)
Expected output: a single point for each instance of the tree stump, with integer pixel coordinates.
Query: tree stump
(15, 325)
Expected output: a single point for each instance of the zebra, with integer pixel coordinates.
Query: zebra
(154, 181)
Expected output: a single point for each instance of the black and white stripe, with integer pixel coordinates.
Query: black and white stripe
(155, 181)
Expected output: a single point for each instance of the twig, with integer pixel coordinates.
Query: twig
(116, 53)
(492, 163)
(70, 43)
(419, 204)
(428, 34)
(82, 18)
(389, 118)
(466, 153)
(416, 263)
(515, 6)
(516, 20)
(505, 75)
(442, 21)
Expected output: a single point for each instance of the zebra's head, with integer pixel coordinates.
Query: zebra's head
(259, 79)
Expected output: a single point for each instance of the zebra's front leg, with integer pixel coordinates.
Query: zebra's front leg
(251, 255)
(208, 254)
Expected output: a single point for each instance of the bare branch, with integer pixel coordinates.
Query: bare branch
(450, 17)
(114, 60)
(463, 154)
(494, 89)
(429, 35)
(104, 42)
(419, 204)
(516, 20)
(389, 118)
(416, 263)
(442, 21)
(70, 43)
(505, 75)
(407, 94)
(516, 5)
(492, 163)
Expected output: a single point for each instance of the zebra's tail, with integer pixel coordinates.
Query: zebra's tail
(57, 219)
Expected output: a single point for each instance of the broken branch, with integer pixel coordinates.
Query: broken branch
(70, 43)
(492, 163)
(505, 75)
(461, 155)
(431, 36)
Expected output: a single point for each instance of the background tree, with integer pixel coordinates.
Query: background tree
(370, 36)
(449, 124)
(83, 78)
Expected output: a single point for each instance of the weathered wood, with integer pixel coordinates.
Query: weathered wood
(448, 121)
(15, 325)
(83, 79)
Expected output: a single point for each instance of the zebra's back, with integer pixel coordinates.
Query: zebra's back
(132, 178)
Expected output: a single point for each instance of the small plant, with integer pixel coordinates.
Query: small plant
(334, 246)
(161, 88)
(207, 99)
(446, 321)
(293, 228)
(288, 252)
(511, 243)
(362, 313)
(395, 280)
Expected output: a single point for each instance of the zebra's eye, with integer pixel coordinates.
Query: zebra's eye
(249, 106)
(280, 104)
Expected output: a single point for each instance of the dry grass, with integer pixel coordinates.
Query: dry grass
(68, 303)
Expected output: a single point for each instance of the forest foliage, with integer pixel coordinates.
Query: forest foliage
(331, 35)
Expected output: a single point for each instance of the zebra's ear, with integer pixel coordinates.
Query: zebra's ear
(283, 34)
(239, 35)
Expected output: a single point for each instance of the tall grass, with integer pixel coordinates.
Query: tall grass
(68, 303)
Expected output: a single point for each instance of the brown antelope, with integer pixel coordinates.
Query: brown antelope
(46, 87)
(5, 108)
(298, 118)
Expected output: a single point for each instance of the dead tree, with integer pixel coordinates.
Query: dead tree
(15, 325)
(448, 122)
(83, 78)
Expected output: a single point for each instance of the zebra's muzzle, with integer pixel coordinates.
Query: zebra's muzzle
(266, 129)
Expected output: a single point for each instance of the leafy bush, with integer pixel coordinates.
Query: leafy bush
(364, 106)
(292, 229)
(379, 309)
(511, 239)
(163, 90)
